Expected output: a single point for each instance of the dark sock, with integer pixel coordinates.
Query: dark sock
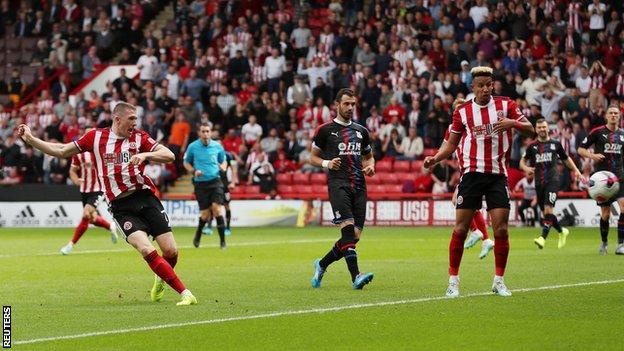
(209, 222)
(228, 217)
(604, 230)
(221, 228)
(555, 222)
(200, 227)
(332, 256)
(350, 256)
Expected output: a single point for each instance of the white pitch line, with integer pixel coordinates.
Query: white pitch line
(300, 312)
(129, 249)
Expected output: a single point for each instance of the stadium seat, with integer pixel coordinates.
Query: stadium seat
(383, 166)
(377, 189)
(429, 152)
(320, 190)
(374, 180)
(285, 189)
(238, 190)
(401, 166)
(393, 188)
(301, 178)
(389, 178)
(252, 189)
(318, 178)
(284, 178)
(304, 189)
(417, 166)
(405, 177)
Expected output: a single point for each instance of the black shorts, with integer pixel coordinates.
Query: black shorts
(348, 203)
(90, 198)
(208, 193)
(474, 186)
(547, 195)
(140, 211)
(619, 195)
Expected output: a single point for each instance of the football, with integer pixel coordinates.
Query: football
(603, 185)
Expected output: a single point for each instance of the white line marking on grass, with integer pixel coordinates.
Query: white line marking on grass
(299, 312)
(209, 246)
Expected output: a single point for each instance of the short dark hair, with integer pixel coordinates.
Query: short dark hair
(206, 124)
(540, 120)
(344, 91)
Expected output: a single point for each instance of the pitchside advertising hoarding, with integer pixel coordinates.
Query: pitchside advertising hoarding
(288, 213)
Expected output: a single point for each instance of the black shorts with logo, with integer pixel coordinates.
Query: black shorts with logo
(140, 210)
(90, 198)
(473, 186)
(547, 194)
(348, 203)
(208, 193)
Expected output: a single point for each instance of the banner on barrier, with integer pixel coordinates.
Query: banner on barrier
(288, 213)
(181, 213)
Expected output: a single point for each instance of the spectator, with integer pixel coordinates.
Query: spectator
(394, 110)
(89, 61)
(274, 66)
(252, 131)
(147, 64)
(412, 146)
(298, 93)
(392, 145)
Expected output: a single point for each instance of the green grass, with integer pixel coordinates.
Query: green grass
(104, 287)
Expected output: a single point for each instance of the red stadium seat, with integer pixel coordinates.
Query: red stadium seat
(374, 180)
(401, 166)
(393, 188)
(377, 188)
(304, 189)
(252, 189)
(301, 178)
(284, 178)
(320, 190)
(390, 178)
(284, 189)
(417, 166)
(405, 177)
(383, 166)
(429, 152)
(318, 178)
(238, 189)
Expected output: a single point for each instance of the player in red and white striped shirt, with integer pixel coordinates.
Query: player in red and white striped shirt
(483, 129)
(120, 155)
(83, 173)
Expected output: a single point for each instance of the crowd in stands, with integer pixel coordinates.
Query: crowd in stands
(264, 74)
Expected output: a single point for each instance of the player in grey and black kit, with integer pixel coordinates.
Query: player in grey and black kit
(541, 159)
(608, 141)
(344, 148)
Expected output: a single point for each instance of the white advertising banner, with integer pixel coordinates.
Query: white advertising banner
(442, 213)
(288, 213)
(181, 213)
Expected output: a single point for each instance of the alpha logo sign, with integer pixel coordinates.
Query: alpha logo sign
(25, 218)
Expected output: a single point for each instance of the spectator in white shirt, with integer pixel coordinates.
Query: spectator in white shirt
(300, 37)
(251, 131)
(318, 70)
(412, 146)
(530, 86)
(583, 83)
(478, 13)
(274, 65)
(147, 65)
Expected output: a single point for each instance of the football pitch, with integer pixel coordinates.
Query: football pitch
(256, 294)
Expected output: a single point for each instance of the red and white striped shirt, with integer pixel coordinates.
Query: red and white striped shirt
(259, 74)
(619, 86)
(596, 81)
(86, 163)
(112, 159)
(574, 17)
(479, 149)
(215, 77)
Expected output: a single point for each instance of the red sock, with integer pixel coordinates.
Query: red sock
(164, 270)
(101, 222)
(456, 250)
(479, 222)
(172, 260)
(80, 229)
(501, 251)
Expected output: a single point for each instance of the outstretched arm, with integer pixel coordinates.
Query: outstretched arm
(53, 149)
(444, 152)
(161, 154)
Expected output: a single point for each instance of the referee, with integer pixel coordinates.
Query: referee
(205, 159)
